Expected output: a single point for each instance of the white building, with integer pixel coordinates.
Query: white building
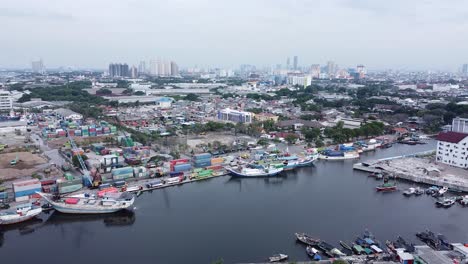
(444, 87)
(235, 116)
(6, 101)
(452, 149)
(304, 80)
(460, 125)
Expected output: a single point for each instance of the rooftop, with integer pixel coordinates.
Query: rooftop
(451, 137)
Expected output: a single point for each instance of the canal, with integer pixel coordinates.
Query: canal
(237, 220)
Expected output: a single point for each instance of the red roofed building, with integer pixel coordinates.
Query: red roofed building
(452, 149)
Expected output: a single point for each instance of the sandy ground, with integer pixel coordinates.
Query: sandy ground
(27, 165)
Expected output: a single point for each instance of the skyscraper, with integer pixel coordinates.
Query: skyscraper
(38, 66)
(465, 69)
(134, 72)
(331, 69)
(361, 71)
(174, 69)
(295, 63)
(119, 70)
(142, 67)
(288, 62)
(315, 71)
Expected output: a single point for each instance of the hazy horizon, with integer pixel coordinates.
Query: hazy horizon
(413, 35)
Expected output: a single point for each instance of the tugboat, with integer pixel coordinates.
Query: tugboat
(278, 257)
(386, 186)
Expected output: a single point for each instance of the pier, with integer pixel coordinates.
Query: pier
(419, 168)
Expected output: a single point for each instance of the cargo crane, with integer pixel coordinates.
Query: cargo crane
(87, 180)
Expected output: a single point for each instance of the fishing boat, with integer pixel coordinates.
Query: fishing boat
(446, 202)
(338, 155)
(358, 249)
(386, 187)
(430, 239)
(278, 257)
(269, 171)
(22, 213)
(326, 248)
(307, 161)
(418, 191)
(409, 191)
(91, 204)
(409, 247)
(313, 253)
(442, 191)
(344, 245)
(464, 200)
(431, 190)
(306, 239)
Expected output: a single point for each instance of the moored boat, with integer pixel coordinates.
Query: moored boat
(313, 253)
(446, 202)
(418, 191)
(91, 204)
(22, 213)
(278, 257)
(269, 171)
(306, 239)
(409, 191)
(307, 161)
(386, 187)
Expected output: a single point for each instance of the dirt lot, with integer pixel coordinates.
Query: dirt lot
(28, 164)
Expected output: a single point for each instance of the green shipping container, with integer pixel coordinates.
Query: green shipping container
(69, 189)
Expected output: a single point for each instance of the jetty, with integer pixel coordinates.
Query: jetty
(420, 168)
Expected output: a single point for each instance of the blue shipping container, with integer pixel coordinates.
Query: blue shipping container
(200, 165)
(182, 167)
(27, 192)
(3, 195)
(120, 171)
(202, 156)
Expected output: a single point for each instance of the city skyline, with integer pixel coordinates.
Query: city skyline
(403, 35)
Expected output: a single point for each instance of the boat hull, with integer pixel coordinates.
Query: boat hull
(260, 175)
(31, 214)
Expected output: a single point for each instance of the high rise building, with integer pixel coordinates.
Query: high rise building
(361, 71)
(465, 69)
(142, 67)
(331, 69)
(174, 69)
(6, 101)
(38, 66)
(288, 63)
(315, 71)
(134, 72)
(295, 63)
(119, 70)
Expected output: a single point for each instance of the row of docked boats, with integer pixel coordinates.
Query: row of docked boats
(437, 242)
(318, 249)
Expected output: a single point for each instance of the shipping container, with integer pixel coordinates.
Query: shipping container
(22, 199)
(26, 185)
(3, 195)
(27, 192)
(69, 188)
(202, 164)
(202, 156)
(217, 160)
(182, 167)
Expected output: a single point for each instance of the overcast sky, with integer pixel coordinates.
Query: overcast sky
(403, 34)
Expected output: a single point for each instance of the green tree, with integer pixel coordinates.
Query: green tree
(192, 97)
(76, 162)
(291, 138)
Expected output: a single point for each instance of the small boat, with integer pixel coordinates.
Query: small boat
(442, 191)
(344, 245)
(358, 249)
(376, 175)
(313, 253)
(409, 191)
(418, 191)
(408, 246)
(386, 187)
(278, 257)
(91, 204)
(307, 161)
(464, 200)
(337, 253)
(306, 239)
(326, 248)
(391, 246)
(22, 213)
(376, 249)
(431, 190)
(446, 202)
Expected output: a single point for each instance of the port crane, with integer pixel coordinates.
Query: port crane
(87, 180)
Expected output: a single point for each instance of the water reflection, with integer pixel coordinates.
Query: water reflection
(121, 218)
(23, 228)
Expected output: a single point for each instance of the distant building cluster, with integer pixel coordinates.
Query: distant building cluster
(119, 70)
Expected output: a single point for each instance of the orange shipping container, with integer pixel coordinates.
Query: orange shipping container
(217, 160)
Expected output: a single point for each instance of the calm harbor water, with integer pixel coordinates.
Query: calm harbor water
(237, 220)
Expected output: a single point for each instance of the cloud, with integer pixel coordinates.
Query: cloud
(34, 14)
